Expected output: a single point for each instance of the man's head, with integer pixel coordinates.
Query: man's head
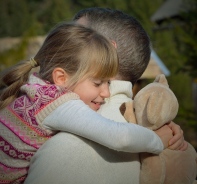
(132, 42)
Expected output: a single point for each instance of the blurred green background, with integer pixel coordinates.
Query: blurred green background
(174, 40)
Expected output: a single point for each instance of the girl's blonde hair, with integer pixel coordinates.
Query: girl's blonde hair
(80, 51)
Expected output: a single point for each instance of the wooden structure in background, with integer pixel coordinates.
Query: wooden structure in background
(168, 10)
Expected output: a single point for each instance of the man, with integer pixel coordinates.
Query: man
(70, 159)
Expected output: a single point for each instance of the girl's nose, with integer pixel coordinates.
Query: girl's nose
(105, 93)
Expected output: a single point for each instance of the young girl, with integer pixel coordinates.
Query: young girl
(76, 64)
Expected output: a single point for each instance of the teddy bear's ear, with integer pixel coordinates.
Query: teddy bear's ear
(127, 110)
(161, 79)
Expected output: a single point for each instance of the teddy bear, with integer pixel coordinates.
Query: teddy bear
(152, 107)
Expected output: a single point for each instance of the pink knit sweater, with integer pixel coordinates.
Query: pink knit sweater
(21, 130)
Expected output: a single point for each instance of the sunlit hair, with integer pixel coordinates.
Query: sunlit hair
(80, 51)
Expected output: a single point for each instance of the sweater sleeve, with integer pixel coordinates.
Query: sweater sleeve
(77, 118)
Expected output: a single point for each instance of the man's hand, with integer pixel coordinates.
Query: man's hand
(177, 142)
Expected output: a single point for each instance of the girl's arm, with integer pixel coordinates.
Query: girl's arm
(77, 118)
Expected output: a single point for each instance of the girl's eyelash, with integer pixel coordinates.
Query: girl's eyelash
(97, 84)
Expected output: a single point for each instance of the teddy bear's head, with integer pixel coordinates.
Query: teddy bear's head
(153, 106)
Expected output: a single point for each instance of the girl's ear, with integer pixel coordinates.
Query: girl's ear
(60, 77)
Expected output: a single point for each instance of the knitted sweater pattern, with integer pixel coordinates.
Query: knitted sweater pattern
(21, 129)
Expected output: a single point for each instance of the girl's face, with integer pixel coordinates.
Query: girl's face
(93, 92)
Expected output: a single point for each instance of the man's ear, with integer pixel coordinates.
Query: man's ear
(114, 43)
(60, 77)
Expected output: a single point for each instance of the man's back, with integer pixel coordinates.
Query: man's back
(80, 161)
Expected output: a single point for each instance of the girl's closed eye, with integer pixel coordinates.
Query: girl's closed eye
(97, 83)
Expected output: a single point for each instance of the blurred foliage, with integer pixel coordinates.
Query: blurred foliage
(176, 45)
(188, 37)
(14, 17)
(18, 17)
